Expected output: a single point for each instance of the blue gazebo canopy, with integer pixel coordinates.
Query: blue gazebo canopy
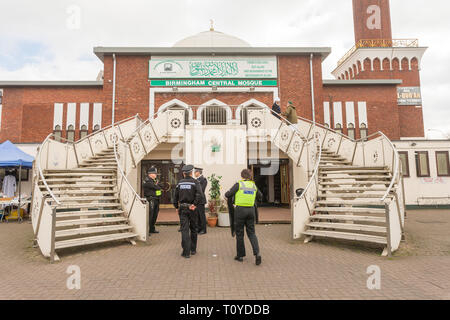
(11, 156)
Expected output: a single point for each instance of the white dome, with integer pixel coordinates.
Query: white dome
(211, 38)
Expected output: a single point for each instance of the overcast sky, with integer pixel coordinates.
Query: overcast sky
(41, 41)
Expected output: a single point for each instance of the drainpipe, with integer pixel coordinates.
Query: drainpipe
(312, 89)
(114, 89)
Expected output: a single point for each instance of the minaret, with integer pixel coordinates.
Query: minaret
(376, 55)
(372, 20)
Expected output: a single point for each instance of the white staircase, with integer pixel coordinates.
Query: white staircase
(352, 189)
(78, 202)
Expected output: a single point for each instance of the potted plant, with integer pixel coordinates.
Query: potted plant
(214, 199)
(224, 216)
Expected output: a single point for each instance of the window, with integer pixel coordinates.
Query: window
(405, 163)
(442, 164)
(83, 131)
(214, 115)
(96, 127)
(70, 133)
(363, 131)
(57, 133)
(351, 131)
(422, 164)
(338, 128)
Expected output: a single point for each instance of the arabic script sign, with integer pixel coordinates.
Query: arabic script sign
(169, 67)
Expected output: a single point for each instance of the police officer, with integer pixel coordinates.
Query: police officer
(188, 194)
(152, 191)
(244, 193)
(198, 172)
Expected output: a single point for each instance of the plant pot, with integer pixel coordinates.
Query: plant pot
(212, 222)
(224, 219)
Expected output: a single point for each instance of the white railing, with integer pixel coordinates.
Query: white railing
(135, 207)
(53, 154)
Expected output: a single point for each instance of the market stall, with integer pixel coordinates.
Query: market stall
(11, 157)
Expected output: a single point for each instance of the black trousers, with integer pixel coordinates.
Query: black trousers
(188, 221)
(201, 223)
(153, 212)
(245, 217)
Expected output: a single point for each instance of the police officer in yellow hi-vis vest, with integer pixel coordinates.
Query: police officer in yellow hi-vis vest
(245, 193)
(153, 192)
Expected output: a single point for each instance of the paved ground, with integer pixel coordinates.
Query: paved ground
(290, 269)
(266, 215)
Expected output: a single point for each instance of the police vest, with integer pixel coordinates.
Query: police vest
(246, 195)
(158, 193)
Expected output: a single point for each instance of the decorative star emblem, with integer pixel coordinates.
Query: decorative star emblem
(256, 122)
(147, 136)
(175, 123)
(136, 147)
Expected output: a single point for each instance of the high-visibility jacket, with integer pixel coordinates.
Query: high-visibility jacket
(246, 195)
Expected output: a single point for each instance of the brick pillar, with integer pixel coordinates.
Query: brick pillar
(372, 19)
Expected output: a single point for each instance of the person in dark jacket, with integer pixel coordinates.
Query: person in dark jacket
(152, 191)
(245, 193)
(276, 107)
(198, 172)
(188, 194)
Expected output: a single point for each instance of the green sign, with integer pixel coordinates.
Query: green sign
(217, 67)
(213, 83)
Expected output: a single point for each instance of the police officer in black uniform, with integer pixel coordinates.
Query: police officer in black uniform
(188, 194)
(198, 172)
(152, 191)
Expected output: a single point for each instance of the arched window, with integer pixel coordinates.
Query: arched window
(70, 133)
(338, 128)
(57, 133)
(186, 113)
(96, 128)
(243, 112)
(214, 115)
(351, 131)
(363, 131)
(83, 131)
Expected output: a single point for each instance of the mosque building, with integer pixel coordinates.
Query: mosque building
(213, 77)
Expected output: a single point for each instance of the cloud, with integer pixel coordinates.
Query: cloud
(41, 40)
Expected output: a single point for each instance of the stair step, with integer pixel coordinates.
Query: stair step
(107, 173)
(351, 172)
(91, 230)
(94, 205)
(77, 186)
(347, 236)
(77, 171)
(71, 192)
(92, 240)
(351, 195)
(99, 179)
(365, 189)
(354, 168)
(322, 176)
(347, 226)
(362, 183)
(87, 213)
(87, 198)
(349, 209)
(343, 217)
(352, 202)
(78, 222)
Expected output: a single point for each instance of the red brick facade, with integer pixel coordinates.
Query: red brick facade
(372, 20)
(28, 111)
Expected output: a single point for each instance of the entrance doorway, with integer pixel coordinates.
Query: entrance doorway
(170, 174)
(272, 179)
